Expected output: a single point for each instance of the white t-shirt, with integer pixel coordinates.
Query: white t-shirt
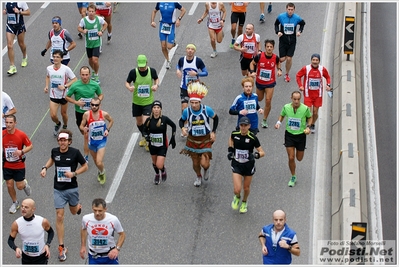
(6, 105)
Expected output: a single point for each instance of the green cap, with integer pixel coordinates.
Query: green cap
(141, 61)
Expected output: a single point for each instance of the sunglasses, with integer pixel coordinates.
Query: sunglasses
(94, 105)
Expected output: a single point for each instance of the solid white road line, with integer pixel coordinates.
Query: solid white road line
(122, 167)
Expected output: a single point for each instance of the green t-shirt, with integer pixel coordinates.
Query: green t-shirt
(142, 94)
(85, 92)
(92, 38)
(296, 121)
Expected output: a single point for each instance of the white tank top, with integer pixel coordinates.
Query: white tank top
(32, 235)
(214, 17)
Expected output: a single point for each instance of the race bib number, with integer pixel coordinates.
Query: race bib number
(190, 78)
(289, 28)
(92, 34)
(157, 139)
(314, 84)
(294, 123)
(99, 241)
(250, 46)
(238, 3)
(11, 18)
(97, 134)
(265, 75)
(143, 91)
(61, 174)
(214, 18)
(31, 248)
(242, 155)
(54, 85)
(198, 130)
(250, 105)
(10, 157)
(87, 103)
(166, 28)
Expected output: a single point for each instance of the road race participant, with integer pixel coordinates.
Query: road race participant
(238, 14)
(7, 107)
(248, 44)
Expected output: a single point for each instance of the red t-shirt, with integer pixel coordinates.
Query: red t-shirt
(11, 143)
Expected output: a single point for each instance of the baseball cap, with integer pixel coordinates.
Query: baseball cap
(244, 120)
(63, 135)
(141, 61)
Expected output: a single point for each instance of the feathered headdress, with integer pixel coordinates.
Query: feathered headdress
(197, 90)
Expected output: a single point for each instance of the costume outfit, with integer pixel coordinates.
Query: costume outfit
(198, 140)
(277, 254)
(250, 103)
(100, 237)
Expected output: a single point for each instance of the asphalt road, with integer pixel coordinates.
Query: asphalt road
(175, 222)
(385, 111)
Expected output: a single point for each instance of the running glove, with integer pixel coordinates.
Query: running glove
(43, 52)
(172, 142)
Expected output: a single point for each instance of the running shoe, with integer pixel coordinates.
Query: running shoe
(96, 78)
(87, 158)
(147, 146)
(264, 123)
(24, 62)
(79, 210)
(115, 6)
(269, 8)
(206, 174)
(12, 70)
(93, 75)
(262, 18)
(287, 78)
(62, 253)
(235, 202)
(102, 177)
(167, 65)
(232, 43)
(197, 182)
(292, 181)
(64, 127)
(142, 142)
(14, 207)
(164, 175)
(243, 208)
(27, 188)
(312, 128)
(214, 54)
(80, 35)
(156, 179)
(109, 39)
(57, 128)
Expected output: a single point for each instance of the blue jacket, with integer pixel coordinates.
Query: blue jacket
(249, 103)
(277, 255)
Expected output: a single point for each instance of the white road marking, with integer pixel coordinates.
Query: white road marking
(122, 167)
(193, 7)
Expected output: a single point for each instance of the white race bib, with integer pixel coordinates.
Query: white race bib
(198, 130)
(314, 84)
(10, 157)
(265, 75)
(289, 28)
(143, 91)
(242, 155)
(157, 139)
(294, 123)
(92, 34)
(250, 105)
(61, 174)
(87, 103)
(166, 28)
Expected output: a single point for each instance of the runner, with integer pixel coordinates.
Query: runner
(59, 39)
(241, 146)
(104, 9)
(155, 128)
(59, 77)
(200, 134)
(238, 14)
(248, 44)
(7, 107)
(216, 13)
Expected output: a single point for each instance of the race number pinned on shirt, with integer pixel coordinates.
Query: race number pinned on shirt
(31, 248)
(198, 130)
(92, 34)
(250, 47)
(314, 84)
(250, 106)
(289, 28)
(265, 75)
(87, 103)
(143, 91)
(242, 155)
(99, 241)
(10, 154)
(12, 19)
(157, 139)
(214, 18)
(166, 28)
(294, 123)
(61, 174)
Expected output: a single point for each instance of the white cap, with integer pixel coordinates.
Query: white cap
(63, 135)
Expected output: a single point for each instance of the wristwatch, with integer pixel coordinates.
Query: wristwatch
(48, 244)
(118, 248)
(179, 18)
